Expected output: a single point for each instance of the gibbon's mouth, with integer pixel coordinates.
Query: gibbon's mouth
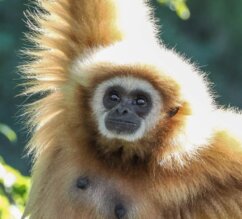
(121, 126)
(122, 121)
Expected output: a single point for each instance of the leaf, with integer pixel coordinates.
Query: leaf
(8, 133)
(179, 6)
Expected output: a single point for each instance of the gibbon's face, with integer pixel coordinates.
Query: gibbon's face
(126, 107)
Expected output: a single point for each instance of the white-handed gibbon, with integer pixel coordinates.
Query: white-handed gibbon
(125, 128)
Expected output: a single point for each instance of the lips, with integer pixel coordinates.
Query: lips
(121, 126)
(124, 122)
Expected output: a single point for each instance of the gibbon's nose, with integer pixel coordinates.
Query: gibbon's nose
(122, 110)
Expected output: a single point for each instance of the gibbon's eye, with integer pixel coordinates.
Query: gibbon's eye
(113, 96)
(141, 101)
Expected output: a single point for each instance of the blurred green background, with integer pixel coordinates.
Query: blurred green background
(208, 32)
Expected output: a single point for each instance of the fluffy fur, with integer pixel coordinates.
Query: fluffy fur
(187, 166)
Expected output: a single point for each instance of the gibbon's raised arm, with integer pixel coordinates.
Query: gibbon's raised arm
(62, 30)
(124, 128)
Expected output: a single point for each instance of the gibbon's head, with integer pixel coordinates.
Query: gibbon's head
(139, 103)
(126, 107)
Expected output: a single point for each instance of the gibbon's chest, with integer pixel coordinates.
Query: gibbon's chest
(110, 197)
(95, 191)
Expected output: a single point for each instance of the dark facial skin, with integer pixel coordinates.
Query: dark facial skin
(125, 110)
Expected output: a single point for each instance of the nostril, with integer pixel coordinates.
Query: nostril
(125, 111)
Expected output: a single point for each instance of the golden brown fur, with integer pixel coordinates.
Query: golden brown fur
(170, 172)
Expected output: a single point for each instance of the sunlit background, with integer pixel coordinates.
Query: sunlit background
(208, 32)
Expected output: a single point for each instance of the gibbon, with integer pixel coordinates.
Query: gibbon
(124, 127)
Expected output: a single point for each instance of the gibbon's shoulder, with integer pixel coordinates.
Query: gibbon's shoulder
(228, 128)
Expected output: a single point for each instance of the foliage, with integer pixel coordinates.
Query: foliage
(13, 185)
(9, 133)
(13, 191)
(179, 6)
